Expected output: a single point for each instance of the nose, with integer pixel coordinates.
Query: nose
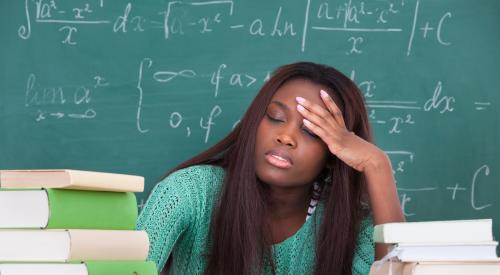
(285, 138)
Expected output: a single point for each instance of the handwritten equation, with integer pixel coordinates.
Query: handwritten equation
(466, 191)
(50, 97)
(177, 19)
(381, 112)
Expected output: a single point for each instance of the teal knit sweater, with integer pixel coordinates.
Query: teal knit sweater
(177, 218)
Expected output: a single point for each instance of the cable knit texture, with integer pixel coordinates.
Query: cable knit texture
(177, 218)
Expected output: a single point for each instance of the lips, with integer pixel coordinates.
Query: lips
(279, 158)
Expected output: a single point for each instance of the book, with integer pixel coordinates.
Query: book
(438, 268)
(53, 245)
(435, 231)
(413, 252)
(67, 209)
(84, 268)
(71, 179)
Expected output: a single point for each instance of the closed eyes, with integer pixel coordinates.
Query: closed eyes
(303, 128)
(308, 132)
(274, 119)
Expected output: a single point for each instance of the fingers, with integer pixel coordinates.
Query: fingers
(317, 130)
(327, 124)
(313, 108)
(315, 118)
(332, 141)
(333, 108)
(319, 115)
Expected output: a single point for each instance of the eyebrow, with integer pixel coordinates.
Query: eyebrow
(281, 104)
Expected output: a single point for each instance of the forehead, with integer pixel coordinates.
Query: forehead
(299, 87)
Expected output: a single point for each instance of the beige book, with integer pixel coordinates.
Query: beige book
(491, 267)
(71, 179)
(54, 245)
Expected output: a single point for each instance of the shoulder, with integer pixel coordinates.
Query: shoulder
(199, 170)
(197, 174)
(193, 185)
(186, 190)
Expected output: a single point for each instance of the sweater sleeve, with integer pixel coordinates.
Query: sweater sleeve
(167, 214)
(364, 255)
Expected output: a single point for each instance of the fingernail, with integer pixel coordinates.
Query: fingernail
(300, 108)
(323, 93)
(300, 99)
(306, 122)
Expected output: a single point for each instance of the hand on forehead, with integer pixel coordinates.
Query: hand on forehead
(300, 88)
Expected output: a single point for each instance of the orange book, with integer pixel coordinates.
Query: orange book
(70, 179)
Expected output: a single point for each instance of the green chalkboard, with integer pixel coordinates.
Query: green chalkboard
(137, 87)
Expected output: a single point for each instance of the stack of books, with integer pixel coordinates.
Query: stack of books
(439, 247)
(69, 222)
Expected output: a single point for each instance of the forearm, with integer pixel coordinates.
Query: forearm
(382, 191)
(383, 196)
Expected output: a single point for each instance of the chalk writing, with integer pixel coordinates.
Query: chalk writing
(205, 17)
(481, 106)
(454, 190)
(485, 169)
(51, 97)
(444, 103)
(207, 126)
(238, 79)
(149, 63)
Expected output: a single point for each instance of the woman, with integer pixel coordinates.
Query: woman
(295, 188)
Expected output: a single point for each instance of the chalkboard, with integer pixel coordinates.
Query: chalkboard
(136, 87)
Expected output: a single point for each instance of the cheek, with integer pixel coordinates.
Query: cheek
(260, 138)
(263, 132)
(313, 159)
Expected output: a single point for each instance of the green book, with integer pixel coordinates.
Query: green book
(83, 268)
(67, 209)
(121, 268)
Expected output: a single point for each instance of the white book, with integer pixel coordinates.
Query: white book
(435, 231)
(43, 269)
(27, 209)
(438, 268)
(413, 252)
(81, 268)
(53, 245)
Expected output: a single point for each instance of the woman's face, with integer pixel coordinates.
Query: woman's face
(287, 154)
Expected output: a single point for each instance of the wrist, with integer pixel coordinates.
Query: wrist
(379, 162)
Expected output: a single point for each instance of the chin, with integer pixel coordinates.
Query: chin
(267, 176)
(277, 177)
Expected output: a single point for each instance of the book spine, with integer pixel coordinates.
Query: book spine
(72, 209)
(121, 267)
(112, 245)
